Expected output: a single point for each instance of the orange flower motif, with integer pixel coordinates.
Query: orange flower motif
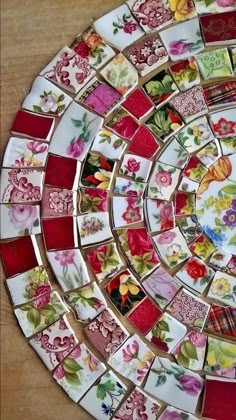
(93, 40)
(218, 172)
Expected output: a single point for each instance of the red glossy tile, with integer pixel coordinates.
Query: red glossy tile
(219, 399)
(33, 125)
(144, 143)
(138, 104)
(144, 316)
(219, 28)
(60, 233)
(60, 171)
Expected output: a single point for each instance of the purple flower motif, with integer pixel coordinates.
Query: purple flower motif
(178, 47)
(233, 204)
(192, 386)
(230, 217)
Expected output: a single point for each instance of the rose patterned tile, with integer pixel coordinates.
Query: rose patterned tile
(185, 10)
(220, 259)
(185, 203)
(159, 215)
(28, 285)
(151, 15)
(104, 261)
(161, 88)
(75, 132)
(124, 292)
(165, 122)
(35, 126)
(174, 154)
(221, 320)
(171, 412)
(190, 104)
(223, 289)
(161, 286)
(223, 123)
(108, 144)
(127, 210)
(163, 181)
(172, 247)
(189, 309)
(43, 311)
(19, 220)
(215, 64)
(143, 143)
(60, 233)
(220, 358)
(86, 303)
(21, 185)
(202, 247)
(106, 333)
(218, 397)
(195, 135)
(23, 152)
(194, 170)
(187, 185)
(62, 172)
(118, 27)
(57, 202)
(131, 188)
(97, 172)
(78, 372)
(181, 387)
(185, 73)
(195, 274)
(210, 153)
(106, 394)
(46, 98)
(93, 200)
(219, 29)
(54, 343)
(94, 227)
(123, 124)
(138, 401)
(190, 352)
(138, 104)
(136, 167)
(189, 227)
(68, 70)
(69, 268)
(132, 360)
(144, 315)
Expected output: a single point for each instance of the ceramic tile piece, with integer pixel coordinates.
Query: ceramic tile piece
(22, 152)
(195, 135)
(185, 73)
(231, 267)
(94, 227)
(219, 29)
(86, 303)
(223, 289)
(123, 124)
(124, 292)
(62, 172)
(136, 167)
(97, 172)
(188, 41)
(35, 316)
(195, 274)
(147, 54)
(190, 352)
(174, 154)
(194, 169)
(214, 7)
(228, 145)
(106, 333)
(161, 286)
(19, 220)
(78, 372)
(60, 233)
(121, 74)
(54, 343)
(92, 48)
(189, 309)
(21, 185)
(151, 15)
(104, 261)
(209, 154)
(138, 104)
(28, 285)
(159, 215)
(221, 320)
(57, 202)
(127, 210)
(220, 95)
(75, 132)
(189, 227)
(223, 123)
(106, 394)
(214, 64)
(46, 98)
(171, 412)
(184, 203)
(220, 259)
(181, 387)
(190, 104)
(165, 122)
(163, 181)
(132, 360)
(218, 398)
(138, 401)
(220, 358)
(69, 268)
(118, 27)
(93, 200)
(166, 333)
(187, 185)
(126, 187)
(20, 255)
(68, 70)
(28, 124)
(108, 144)
(143, 143)
(138, 248)
(161, 88)
(183, 11)
(233, 56)
(144, 316)
(172, 247)
(202, 247)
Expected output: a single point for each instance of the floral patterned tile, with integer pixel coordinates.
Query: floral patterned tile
(78, 372)
(34, 126)
(151, 15)
(136, 167)
(185, 203)
(163, 181)
(23, 152)
(106, 394)
(202, 247)
(159, 215)
(138, 104)
(69, 268)
(124, 186)
(123, 124)
(190, 104)
(231, 266)
(127, 210)
(219, 29)
(12, 181)
(172, 247)
(57, 202)
(104, 261)
(223, 123)
(194, 170)
(185, 73)
(189, 227)
(195, 135)
(60, 233)
(172, 413)
(195, 274)
(216, 6)
(161, 88)
(56, 169)
(220, 259)
(209, 154)
(144, 315)
(190, 352)
(46, 309)
(143, 143)
(132, 360)
(94, 227)
(223, 289)
(220, 358)
(214, 64)
(68, 70)
(187, 185)
(86, 303)
(228, 145)
(106, 333)
(93, 200)
(75, 132)
(19, 220)
(165, 122)
(54, 343)
(185, 10)
(108, 144)
(174, 154)
(97, 172)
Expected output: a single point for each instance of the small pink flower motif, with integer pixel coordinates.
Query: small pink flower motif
(75, 148)
(163, 179)
(132, 165)
(192, 386)
(43, 300)
(129, 27)
(178, 47)
(65, 257)
(62, 324)
(131, 351)
(59, 372)
(49, 103)
(76, 353)
(225, 3)
(36, 147)
(166, 238)
(152, 59)
(197, 339)
(22, 216)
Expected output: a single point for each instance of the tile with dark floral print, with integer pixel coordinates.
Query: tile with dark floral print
(97, 172)
(93, 200)
(104, 261)
(164, 122)
(161, 88)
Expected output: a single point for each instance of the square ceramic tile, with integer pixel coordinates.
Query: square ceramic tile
(60, 233)
(78, 372)
(69, 268)
(108, 144)
(144, 315)
(35, 316)
(218, 397)
(57, 202)
(195, 274)
(190, 352)
(22, 152)
(54, 343)
(221, 320)
(151, 16)
(214, 64)
(185, 203)
(223, 123)
(214, 7)
(187, 185)
(75, 132)
(184, 11)
(19, 220)
(92, 200)
(118, 27)
(127, 210)
(35, 126)
(106, 395)
(220, 259)
(164, 122)
(181, 387)
(163, 181)
(161, 88)
(106, 333)
(21, 185)
(219, 29)
(28, 285)
(62, 172)
(104, 261)
(138, 402)
(174, 154)
(132, 360)
(195, 135)
(202, 247)
(124, 186)
(86, 303)
(172, 247)
(159, 215)
(220, 94)
(175, 413)
(136, 167)
(97, 172)
(209, 154)
(194, 169)
(93, 228)
(143, 143)
(185, 73)
(68, 70)
(138, 104)
(223, 289)
(123, 124)
(190, 104)
(220, 358)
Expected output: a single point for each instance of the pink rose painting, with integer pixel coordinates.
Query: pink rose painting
(23, 217)
(178, 47)
(132, 165)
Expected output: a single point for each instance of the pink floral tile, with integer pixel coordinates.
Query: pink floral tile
(163, 181)
(151, 15)
(19, 220)
(127, 210)
(123, 124)
(136, 167)
(104, 261)
(195, 274)
(185, 203)
(172, 247)
(138, 401)
(24, 152)
(138, 104)
(190, 352)
(144, 315)
(220, 259)
(21, 185)
(62, 172)
(223, 123)
(94, 227)
(60, 233)
(35, 126)
(190, 104)
(143, 143)
(159, 215)
(195, 135)
(108, 144)
(124, 186)
(57, 202)
(171, 412)
(93, 200)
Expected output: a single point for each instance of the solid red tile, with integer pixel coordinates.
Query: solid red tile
(59, 233)
(143, 143)
(33, 125)
(19, 255)
(138, 104)
(219, 28)
(144, 316)
(60, 171)
(219, 399)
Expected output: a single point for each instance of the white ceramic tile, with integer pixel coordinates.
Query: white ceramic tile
(108, 144)
(223, 289)
(163, 181)
(195, 135)
(127, 211)
(136, 167)
(121, 74)
(223, 123)
(172, 247)
(24, 152)
(94, 227)
(220, 259)
(125, 186)
(190, 352)
(19, 220)
(174, 154)
(188, 185)
(209, 154)
(104, 261)
(21, 185)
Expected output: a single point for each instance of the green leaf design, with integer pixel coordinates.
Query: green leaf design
(229, 189)
(33, 316)
(76, 123)
(164, 326)
(37, 108)
(71, 366)
(73, 379)
(233, 240)
(100, 393)
(183, 360)
(161, 380)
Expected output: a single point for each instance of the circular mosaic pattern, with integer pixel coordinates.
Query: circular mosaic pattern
(125, 162)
